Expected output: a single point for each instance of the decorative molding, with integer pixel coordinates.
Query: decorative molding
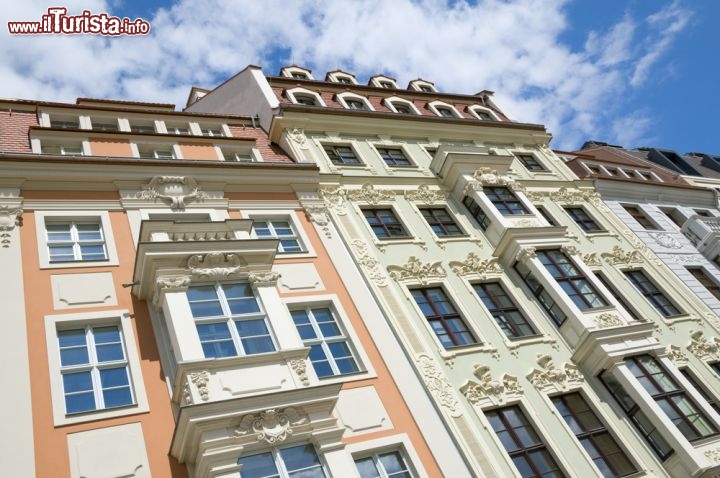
(617, 256)
(607, 319)
(370, 195)
(471, 187)
(200, 380)
(299, 366)
(274, 425)
(187, 395)
(263, 278)
(215, 265)
(568, 196)
(686, 258)
(667, 240)
(438, 385)
(570, 250)
(525, 254)
(176, 190)
(713, 455)
(319, 216)
(414, 270)
(704, 348)
(592, 259)
(676, 354)
(536, 196)
(369, 263)
(490, 177)
(425, 195)
(488, 392)
(474, 265)
(528, 222)
(334, 199)
(166, 284)
(549, 378)
(10, 218)
(297, 136)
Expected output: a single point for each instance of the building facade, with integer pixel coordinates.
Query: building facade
(174, 307)
(551, 341)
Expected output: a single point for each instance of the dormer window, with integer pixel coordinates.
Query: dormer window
(344, 80)
(443, 109)
(300, 76)
(425, 88)
(481, 113)
(399, 105)
(386, 84)
(422, 85)
(302, 96)
(381, 81)
(296, 72)
(354, 102)
(306, 100)
(446, 112)
(341, 77)
(401, 108)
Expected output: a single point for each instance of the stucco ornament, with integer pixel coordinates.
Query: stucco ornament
(592, 259)
(319, 215)
(704, 348)
(568, 196)
(536, 196)
(676, 354)
(425, 195)
(438, 385)
(297, 135)
(215, 265)
(334, 198)
(170, 284)
(490, 177)
(525, 254)
(370, 195)
(263, 278)
(414, 270)
(617, 256)
(608, 320)
(667, 240)
(200, 380)
(299, 366)
(488, 391)
(274, 425)
(369, 263)
(175, 190)
(551, 378)
(570, 250)
(474, 265)
(713, 455)
(10, 218)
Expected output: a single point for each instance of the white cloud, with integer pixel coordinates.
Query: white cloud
(513, 47)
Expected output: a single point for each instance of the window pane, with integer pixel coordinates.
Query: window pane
(73, 347)
(366, 468)
(261, 465)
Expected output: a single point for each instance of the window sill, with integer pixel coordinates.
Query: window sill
(450, 354)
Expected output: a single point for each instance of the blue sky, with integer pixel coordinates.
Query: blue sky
(633, 72)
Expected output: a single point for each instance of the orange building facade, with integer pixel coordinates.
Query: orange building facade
(177, 304)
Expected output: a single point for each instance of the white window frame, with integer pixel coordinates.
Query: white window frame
(473, 110)
(333, 303)
(223, 152)
(390, 103)
(103, 217)
(101, 120)
(342, 97)
(156, 148)
(304, 91)
(339, 144)
(378, 80)
(417, 84)
(433, 106)
(283, 215)
(119, 318)
(288, 72)
(336, 75)
(400, 442)
(65, 149)
(280, 466)
(172, 128)
(413, 164)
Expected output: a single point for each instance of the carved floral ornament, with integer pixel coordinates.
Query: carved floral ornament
(490, 177)
(425, 195)
(334, 198)
(370, 195)
(474, 265)
(525, 254)
(319, 215)
(200, 380)
(416, 271)
(704, 348)
(175, 190)
(550, 378)
(676, 354)
(617, 256)
(274, 425)
(169, 284)
(10, 218)
(607, 319)
(438, 385)
(369, 263)
(215, 265)
(488, 391)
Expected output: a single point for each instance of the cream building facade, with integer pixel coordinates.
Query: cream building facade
(551, 340)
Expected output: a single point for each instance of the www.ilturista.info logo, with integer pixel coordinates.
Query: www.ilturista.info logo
(57, 21)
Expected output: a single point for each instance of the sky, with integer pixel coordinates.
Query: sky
(635, 73)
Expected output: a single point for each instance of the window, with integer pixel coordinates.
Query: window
(525, 447)
(344, 80)
(529, 161)
(94, 369)
(229, 320)
(212, 131)
(384, 223)
(674, 214)
(716, 367)
(444, 111)
(483, 116)
(238, 156)
(142, 127)
(618, 296)
(341, 154)
(583, 219)
(279, 229)
(640, 217)
(151, 153)
(75, 241)
(294, 462)
(394, 157)
(307, 100)
(477, 212)
(501, 306)
(701, 388)
(63, 149)
(571, 280)
(689, 419)
(543, 212)
(594, 436)
(443, 317)
(383, 465)
(505, 200)
(178, 129)
(330, 351)
(105, 125)
(354, 104)
(441, 222)
(654, 295)
(637, 416)
(426, 88)
(69, 123)
(706, 281)
(402, 108)
(703, 212)
(386, 84)
(299, 76)
(541, 294)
